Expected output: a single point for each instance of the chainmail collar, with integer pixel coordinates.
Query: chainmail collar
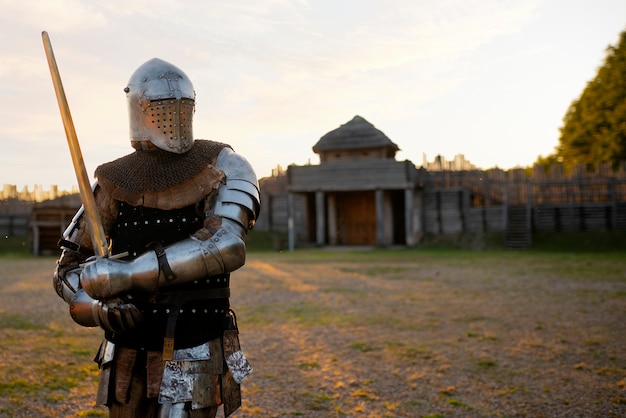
(163, 180)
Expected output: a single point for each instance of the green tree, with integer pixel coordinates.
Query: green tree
(594, 126)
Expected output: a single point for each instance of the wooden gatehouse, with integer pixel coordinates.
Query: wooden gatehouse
(360, 195)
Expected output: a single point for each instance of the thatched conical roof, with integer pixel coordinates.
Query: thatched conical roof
(356, 134)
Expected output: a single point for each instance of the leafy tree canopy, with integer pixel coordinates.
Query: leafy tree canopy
(594, 126)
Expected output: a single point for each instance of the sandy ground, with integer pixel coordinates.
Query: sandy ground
(499, 335)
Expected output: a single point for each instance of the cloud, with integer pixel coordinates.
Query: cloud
(278, 74)
(61, 16)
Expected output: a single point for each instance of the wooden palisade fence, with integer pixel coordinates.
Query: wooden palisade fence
(545, 199)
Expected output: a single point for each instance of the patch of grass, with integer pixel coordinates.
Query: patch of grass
(308, 365)
(587, 241)
(594, 341)
(486, 363)
(447, 391)
(373, 271)
(305, 314)
(391, 406)
(316, 401)
(92, 414)
(266, 241)
(364, 347)
(461, 404)
(47, 379)
(403, 350)
(14, 246)
(312, 313)
(17, 385)
(18, 322)
(259, 315)
(609, 371)
(364, 394)
(81, 351)
(510, 390)
(481, 336)
(42, 364)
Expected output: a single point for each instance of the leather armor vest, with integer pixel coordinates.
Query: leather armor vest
(161, 199)
(139, 227)
(147, 218)
(137, 230)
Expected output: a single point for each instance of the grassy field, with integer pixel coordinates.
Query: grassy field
(397, 333)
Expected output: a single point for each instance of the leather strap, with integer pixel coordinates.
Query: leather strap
(164, 266)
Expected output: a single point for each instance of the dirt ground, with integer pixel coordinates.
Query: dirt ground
(384, 334)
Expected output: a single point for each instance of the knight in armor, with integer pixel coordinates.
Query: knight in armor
(176, 211)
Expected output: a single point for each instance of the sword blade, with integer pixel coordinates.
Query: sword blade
(98, 237)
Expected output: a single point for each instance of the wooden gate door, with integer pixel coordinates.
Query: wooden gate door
(357, 218)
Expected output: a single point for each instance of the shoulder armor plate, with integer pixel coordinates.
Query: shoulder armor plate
(238, 199)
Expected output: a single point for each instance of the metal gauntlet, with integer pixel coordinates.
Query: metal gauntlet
(112, 316)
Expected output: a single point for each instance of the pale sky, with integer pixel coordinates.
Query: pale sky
(490, 79)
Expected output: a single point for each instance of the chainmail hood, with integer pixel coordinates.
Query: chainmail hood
(163, 180)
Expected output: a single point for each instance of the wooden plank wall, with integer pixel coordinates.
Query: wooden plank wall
(580, 216)
(560, 200)
(449, 211)
(352, 175)
(476, 200)
(15, 224)
(274, 207)
(538, 185)
(48, 225)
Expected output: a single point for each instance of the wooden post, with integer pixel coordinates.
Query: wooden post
(332, 219)
(409, 228)
(380, 218)
(320, 218)
(291, 233)
(35, 239)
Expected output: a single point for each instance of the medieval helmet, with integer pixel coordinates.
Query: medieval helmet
(161, 103)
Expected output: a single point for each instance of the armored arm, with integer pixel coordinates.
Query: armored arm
(114, 315)
(217, 248)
